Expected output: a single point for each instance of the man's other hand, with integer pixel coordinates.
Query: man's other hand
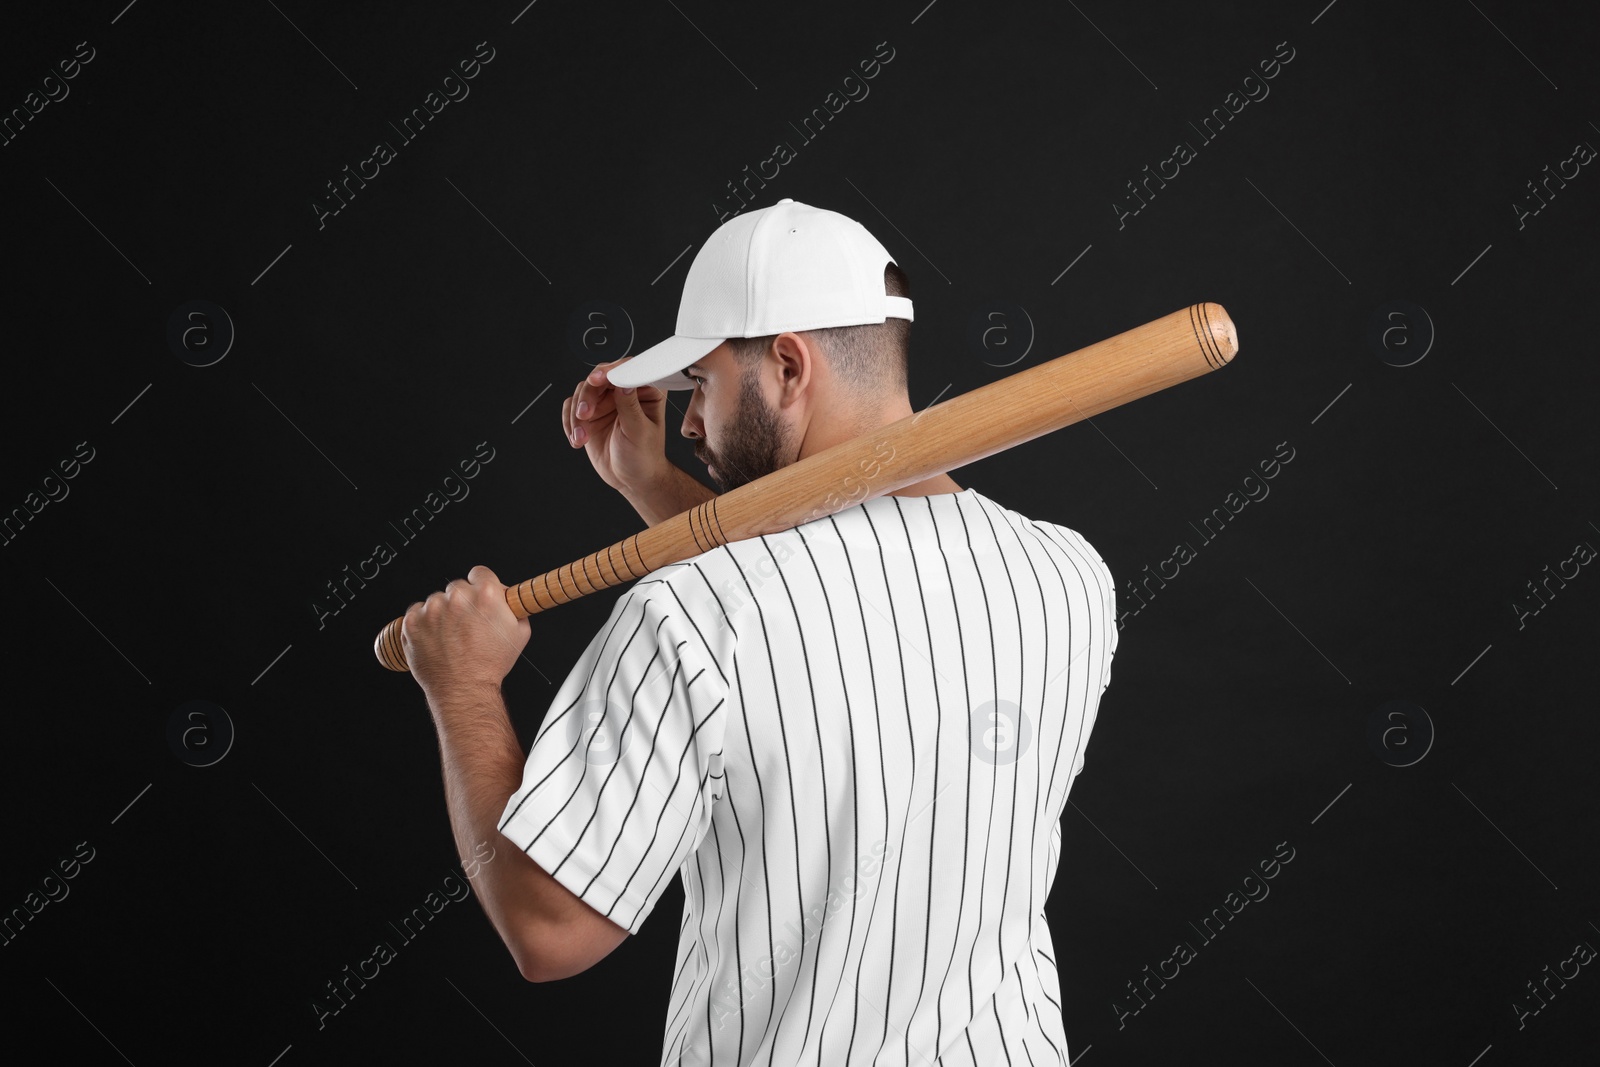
(623, 431)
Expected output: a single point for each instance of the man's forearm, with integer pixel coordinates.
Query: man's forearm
(482, 764)
(673, 493)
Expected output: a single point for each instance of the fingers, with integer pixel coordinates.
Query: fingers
(597, 376)
(577, 427)
(593, 398)
(480, 583)
(569, 416)
(573, 427)
(478, 579)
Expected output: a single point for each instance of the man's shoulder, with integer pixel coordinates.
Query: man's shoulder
(1058, 534)
(692, 593)
(1059, 531)
(1068, 534)
(685, 581)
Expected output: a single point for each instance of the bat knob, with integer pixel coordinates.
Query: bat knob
(388, 647)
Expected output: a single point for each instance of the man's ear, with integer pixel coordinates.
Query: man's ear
(796, 354)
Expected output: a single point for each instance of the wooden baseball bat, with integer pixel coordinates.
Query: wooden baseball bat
(964, 429)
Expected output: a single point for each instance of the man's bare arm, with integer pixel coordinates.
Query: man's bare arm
(550, 932)
(673, 493)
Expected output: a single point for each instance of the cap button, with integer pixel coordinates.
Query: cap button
(786, 200)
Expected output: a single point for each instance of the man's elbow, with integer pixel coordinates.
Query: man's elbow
(535, 969)
(531, 971)
(536, 956)
(533, 964)
(521, 944)
(550, 953)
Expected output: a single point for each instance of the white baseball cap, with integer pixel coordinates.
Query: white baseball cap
(789, 266)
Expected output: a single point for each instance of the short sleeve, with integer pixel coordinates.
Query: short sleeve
(1112, 627)
(1103, 595)
(619, 783)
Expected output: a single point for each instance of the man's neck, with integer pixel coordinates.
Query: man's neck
(939, 483)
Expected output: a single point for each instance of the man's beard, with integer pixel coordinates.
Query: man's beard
(752, 444)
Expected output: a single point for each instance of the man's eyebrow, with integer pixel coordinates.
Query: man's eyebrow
(693, 366)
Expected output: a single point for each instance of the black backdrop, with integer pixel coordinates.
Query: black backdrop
(1350, 661)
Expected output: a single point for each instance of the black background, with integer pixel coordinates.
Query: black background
(377, 349)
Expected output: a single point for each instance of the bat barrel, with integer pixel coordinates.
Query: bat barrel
(943, 437)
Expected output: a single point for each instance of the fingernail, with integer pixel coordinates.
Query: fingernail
(577, 435)
(629, 390)
(583, 408)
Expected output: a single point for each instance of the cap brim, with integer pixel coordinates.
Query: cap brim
(660, 364)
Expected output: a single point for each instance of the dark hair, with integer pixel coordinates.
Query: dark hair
(871, 358)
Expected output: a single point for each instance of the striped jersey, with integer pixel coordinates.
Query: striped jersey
(853, 740)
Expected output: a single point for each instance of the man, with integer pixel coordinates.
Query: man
(852, 739)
